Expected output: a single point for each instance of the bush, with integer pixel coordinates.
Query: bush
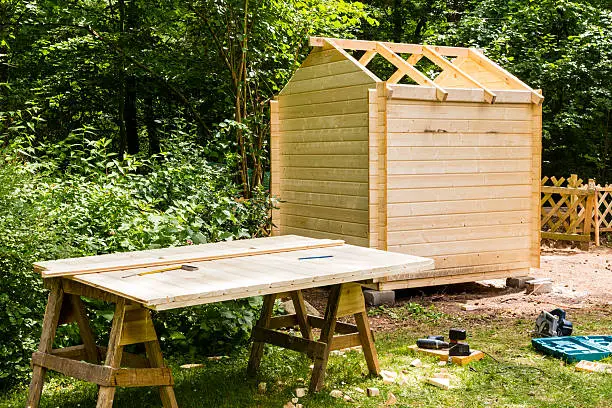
(77, 200)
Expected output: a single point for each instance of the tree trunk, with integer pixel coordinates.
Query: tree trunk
(149, 118)
(129, 116)
(398, 21)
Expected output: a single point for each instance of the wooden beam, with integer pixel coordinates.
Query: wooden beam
(311, 348)
(141, 377)
(330, 44)
(48, 269)
(411, 71)
(367, 57)
(345, 341)
(81, 370)
(482, 60)
(401, 48)
(445, 64)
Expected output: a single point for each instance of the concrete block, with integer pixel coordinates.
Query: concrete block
(538, 286)
(379, 297)
(518, 281)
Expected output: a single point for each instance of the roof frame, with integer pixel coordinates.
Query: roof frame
(410, 70)
(435, 54)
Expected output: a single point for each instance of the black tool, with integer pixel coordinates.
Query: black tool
(553, 324)
(455, 347)
(458, 348)
(432, 344)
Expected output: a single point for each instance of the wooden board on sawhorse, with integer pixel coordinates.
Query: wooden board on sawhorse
(344, 300)
(131, 325)
(475, 355)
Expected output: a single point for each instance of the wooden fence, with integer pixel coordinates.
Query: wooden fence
(572, 210)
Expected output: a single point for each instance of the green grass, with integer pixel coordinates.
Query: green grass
(520, 378)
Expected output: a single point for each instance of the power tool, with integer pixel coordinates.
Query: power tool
(455, 347)
(553, 324)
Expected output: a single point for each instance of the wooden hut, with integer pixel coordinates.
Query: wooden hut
(447, 168)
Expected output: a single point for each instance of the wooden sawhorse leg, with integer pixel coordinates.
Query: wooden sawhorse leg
(344, 300)
(131, 324)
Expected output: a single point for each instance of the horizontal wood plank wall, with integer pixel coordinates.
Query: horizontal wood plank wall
(323, 146)
(460, 184)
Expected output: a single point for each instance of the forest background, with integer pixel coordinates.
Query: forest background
(135, 124)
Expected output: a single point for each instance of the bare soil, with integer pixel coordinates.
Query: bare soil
(581, 280)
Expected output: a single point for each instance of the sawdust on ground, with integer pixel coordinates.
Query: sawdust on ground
(581, 280)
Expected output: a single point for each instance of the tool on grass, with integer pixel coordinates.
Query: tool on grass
(168, 268)
(553, 324)
(455, 347)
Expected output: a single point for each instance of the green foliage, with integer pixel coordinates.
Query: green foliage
(407, 311)
(77, 199)
(565, 48)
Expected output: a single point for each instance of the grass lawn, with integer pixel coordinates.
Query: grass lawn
(520, 378)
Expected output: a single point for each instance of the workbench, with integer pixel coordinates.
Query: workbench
(170, 278)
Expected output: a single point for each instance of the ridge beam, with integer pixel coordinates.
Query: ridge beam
(443, 63)
(410, 70)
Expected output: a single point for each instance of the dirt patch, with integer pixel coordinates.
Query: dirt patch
(581, 280)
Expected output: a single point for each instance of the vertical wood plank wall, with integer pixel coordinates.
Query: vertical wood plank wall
(324, 150)
(275, 163)
(536, 180)
(460, 184)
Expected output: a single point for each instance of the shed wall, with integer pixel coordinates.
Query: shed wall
(460, 184)
(322, 138)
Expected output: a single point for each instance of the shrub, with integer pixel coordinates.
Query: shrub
(76, 200)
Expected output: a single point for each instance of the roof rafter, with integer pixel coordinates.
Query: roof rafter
(410, 70)
(443, 63)
(437, 55)
(482, 60)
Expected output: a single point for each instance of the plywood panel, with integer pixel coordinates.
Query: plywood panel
(457, 207)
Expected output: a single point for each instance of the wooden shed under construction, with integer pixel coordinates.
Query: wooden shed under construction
(447, 168)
